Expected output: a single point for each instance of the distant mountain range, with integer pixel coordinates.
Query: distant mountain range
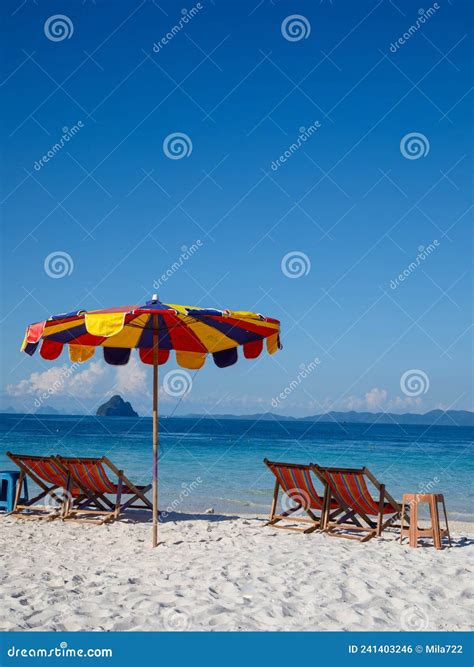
(43, 410)
(438, 417)
(117, 407)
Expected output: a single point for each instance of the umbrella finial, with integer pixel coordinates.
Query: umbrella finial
(154, 298)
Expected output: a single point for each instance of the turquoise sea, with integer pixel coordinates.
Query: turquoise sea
(218, 462)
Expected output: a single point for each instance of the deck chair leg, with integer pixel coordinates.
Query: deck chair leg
(391, 521)
(276, 491)
(326, 514)
(312, 516)
(350, 515)
(101, 498)
(271, 518)
(119, 496)
(146, 502)
(381, 504)
(282, 516)
(67, 501)
(324, 509)
(315, 526)
(97, 499)
(369, 536)
(18, 489)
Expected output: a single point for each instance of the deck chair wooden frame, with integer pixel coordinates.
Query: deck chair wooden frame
(348, 487)
(294, 479)
(49, 477)
(96, 488)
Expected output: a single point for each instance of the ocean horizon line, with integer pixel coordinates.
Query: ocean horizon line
(437, 417)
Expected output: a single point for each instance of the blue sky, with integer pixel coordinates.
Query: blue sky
(347, 199)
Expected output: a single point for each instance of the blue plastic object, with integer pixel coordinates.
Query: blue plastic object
(8, 482)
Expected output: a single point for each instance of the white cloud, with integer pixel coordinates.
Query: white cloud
(408, 402)
(86, 382)
(80, 387)
(372, 400)
(65, 380)
(377, 400)
(131, 379)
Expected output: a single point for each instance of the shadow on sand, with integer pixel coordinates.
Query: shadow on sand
(144, 516)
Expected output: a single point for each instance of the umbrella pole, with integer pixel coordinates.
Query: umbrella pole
(154, 539)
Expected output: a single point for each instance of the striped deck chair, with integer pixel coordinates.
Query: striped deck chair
(90, 475)
(362, 512)
(49, 477)
(296, 482)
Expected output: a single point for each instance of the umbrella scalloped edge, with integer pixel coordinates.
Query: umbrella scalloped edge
(192, 332)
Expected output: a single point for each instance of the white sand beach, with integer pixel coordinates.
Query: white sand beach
(226, 573)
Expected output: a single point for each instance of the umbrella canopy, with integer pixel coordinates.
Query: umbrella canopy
(155, 329)
(191, 332)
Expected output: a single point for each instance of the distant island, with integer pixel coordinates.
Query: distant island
(116, 407)
(47, 410)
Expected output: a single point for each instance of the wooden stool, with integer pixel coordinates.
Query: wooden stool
(413, 532)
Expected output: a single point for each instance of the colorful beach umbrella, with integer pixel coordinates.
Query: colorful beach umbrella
(155, 329)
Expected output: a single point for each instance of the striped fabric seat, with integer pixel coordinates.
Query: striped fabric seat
(46, 468)
(49, 471)
(363, 514)
(91, 475)
(351, 489)
(297, 483)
